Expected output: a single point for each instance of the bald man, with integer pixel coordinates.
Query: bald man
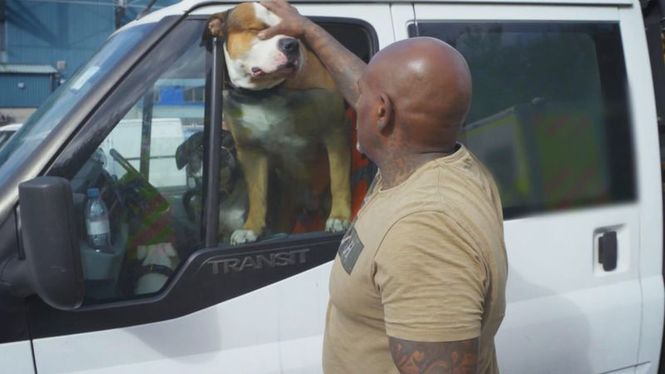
(418, 283)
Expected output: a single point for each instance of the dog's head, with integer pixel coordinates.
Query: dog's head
(253, 63)
(190, 154)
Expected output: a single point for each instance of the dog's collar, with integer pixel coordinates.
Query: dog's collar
(154, 268)
(244, 95)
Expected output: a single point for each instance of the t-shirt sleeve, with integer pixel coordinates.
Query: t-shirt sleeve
(431, 279)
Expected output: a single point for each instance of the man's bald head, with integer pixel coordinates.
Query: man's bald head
(429, 86)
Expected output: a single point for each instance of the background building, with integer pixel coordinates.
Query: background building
(43, 42)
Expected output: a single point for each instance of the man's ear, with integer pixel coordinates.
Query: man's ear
(384, 114)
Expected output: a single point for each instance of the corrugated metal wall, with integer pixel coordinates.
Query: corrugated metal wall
(44, 32)
(23, 90)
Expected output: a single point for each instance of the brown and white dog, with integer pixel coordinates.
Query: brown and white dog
(285, 115)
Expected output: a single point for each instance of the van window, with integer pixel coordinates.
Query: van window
(150, 169)
(140, 173)
(77, 88)
(549, 114)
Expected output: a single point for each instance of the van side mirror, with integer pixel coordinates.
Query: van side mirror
(49, 232)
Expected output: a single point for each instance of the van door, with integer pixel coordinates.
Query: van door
(16, 357)
(551, 118)
(163, 300)
(15, 348)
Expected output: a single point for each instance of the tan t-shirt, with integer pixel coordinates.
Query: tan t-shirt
(424, 261)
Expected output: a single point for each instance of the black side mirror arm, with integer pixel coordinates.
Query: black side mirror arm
(14, 277)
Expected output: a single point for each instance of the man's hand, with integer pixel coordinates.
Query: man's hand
(293, 24)
(345, 67)
(460, 357)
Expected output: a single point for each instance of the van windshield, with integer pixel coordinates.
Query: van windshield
(49, 115)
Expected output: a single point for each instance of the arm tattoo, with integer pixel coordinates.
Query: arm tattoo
(344, 66)
(434, 358)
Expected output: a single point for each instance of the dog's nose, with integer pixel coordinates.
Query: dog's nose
(288, 45)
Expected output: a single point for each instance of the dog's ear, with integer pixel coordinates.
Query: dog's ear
(181, 156)
(216, 24)
(214, 27)
(184, 151)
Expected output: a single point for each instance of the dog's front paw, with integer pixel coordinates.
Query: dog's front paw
(242, 237)
(337, 225)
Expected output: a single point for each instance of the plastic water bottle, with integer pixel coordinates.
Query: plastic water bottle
(97, 223)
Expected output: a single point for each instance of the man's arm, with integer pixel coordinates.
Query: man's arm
(434, 358)
(344, 66)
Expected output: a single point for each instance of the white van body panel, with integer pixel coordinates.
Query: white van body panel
(561, 313)
(185, 6)
(512, 11)
(276, 329)
(16, 358)
(403, 15)
(649, 186)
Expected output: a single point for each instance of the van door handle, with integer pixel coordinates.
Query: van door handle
(607, 250)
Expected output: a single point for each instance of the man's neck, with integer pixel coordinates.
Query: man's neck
(397, 168)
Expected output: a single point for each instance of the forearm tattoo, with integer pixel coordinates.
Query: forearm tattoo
(344, 66)
(435, 358)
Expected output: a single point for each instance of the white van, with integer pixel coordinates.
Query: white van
(7, 131)
(564, 115)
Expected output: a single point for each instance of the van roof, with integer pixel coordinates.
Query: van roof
(185, 6)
